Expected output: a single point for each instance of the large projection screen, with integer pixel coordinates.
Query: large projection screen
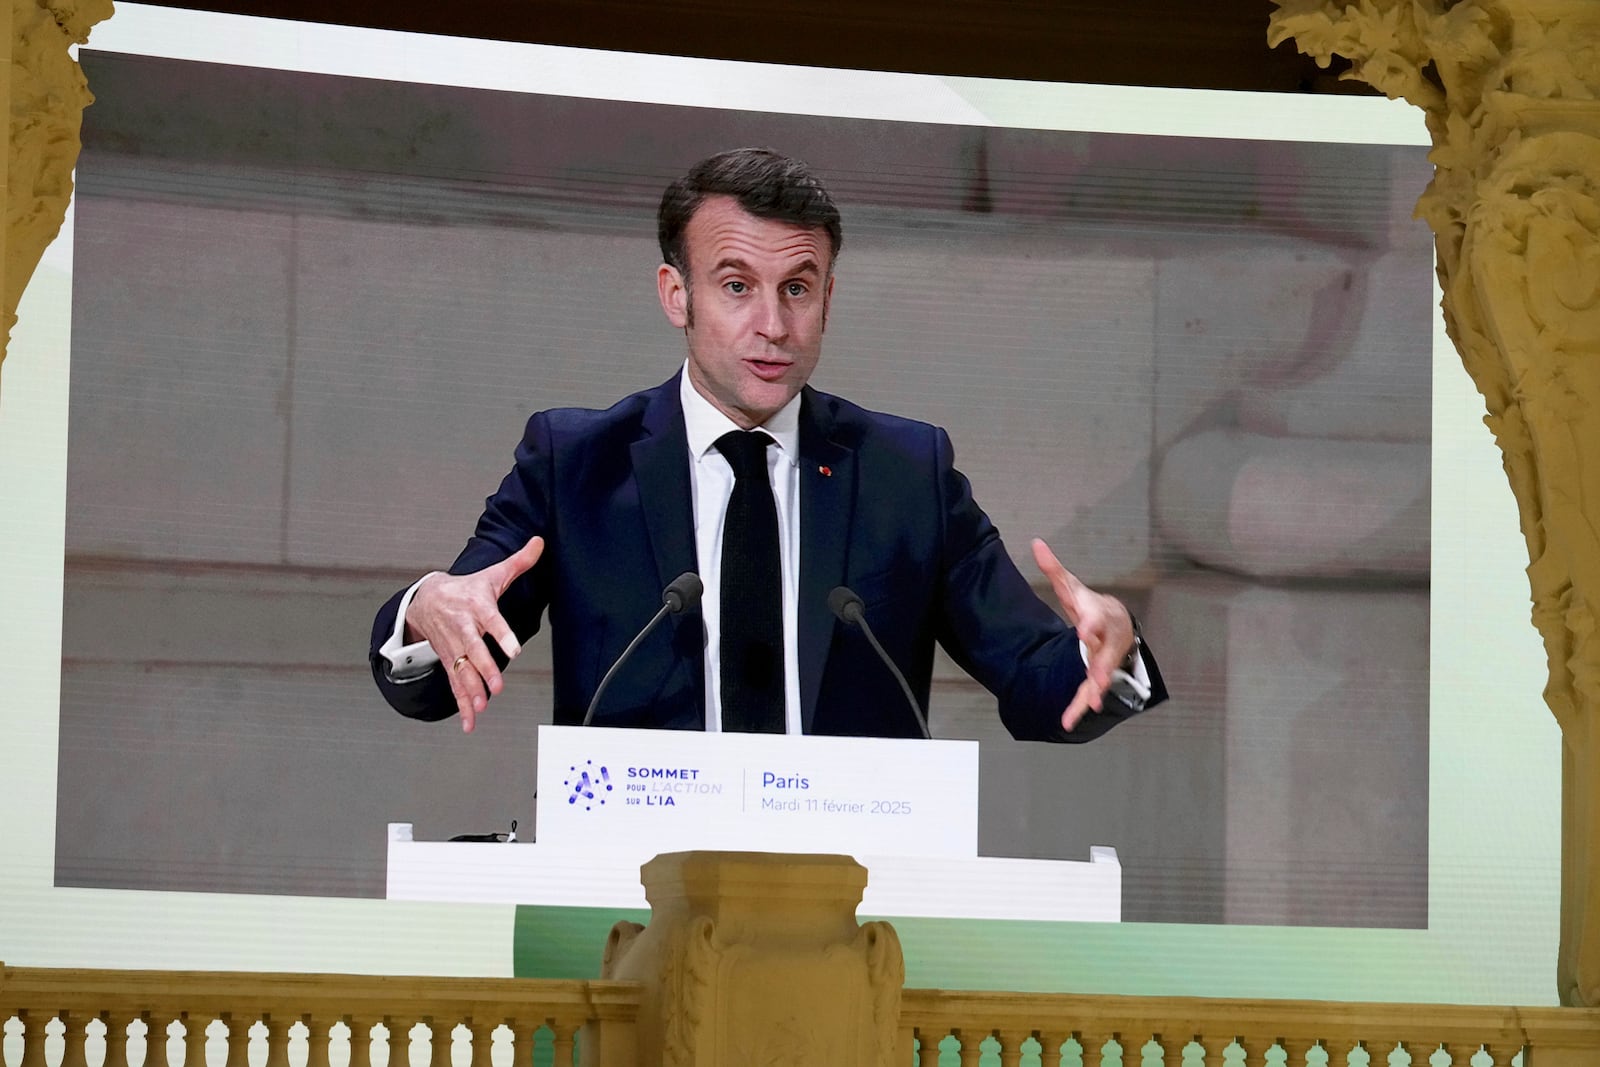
(316, 277)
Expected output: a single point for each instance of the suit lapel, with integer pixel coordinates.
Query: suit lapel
(827, 501)
(661, 479)
(661, 475)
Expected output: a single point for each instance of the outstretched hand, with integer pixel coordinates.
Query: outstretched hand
(1103, 624)
(454, 612)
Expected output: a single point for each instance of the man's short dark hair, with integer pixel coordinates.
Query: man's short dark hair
(764, 183)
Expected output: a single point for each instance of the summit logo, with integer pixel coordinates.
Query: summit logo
(588, 783)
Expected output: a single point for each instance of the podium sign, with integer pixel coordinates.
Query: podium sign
(645, 792)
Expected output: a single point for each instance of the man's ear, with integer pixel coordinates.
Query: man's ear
(674, 295)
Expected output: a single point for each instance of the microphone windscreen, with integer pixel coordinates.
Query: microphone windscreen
(844, 603)
(683, 592)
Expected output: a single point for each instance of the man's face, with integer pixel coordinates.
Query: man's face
(759, 302)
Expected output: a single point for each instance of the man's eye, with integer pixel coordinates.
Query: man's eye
(736, 288)
(795, 289)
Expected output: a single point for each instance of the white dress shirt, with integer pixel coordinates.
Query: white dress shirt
(711, 485)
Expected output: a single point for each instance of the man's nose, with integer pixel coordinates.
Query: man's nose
(772, 321)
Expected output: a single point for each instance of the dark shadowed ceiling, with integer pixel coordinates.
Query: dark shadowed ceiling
(1210, 44)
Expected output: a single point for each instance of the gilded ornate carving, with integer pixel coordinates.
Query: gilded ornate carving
(886, 975)
(687, 986)
(1382, 39)
(48, 95)
(621, 938)
(1509, 90)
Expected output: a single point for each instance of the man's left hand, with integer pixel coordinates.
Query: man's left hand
(1103, 624)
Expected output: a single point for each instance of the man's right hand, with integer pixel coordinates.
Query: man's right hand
(454, 612)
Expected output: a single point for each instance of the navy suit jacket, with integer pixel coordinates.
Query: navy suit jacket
(882, 510)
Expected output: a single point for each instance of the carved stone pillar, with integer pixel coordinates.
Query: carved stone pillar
(1509, 90)
(47, 95)
(758, 959)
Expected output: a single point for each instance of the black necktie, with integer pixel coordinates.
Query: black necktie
(752, 592)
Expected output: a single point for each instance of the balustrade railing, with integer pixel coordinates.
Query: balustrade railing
(97, 1018)
(90, 1018)
(950, 1029)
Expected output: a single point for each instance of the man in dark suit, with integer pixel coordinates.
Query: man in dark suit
(776, 494)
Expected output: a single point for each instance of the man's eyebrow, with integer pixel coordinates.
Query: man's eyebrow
(807, 266)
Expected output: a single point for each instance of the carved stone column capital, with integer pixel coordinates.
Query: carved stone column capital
(47, 98)
(756, 958)
(76, 17)
(1511, 93)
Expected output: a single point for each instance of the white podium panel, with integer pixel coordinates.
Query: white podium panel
(897, 886)
(645, 792)
(609, 800)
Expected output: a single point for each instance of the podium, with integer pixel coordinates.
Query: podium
(609, 800)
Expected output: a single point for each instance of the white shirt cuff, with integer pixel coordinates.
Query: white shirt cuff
(1130, 687)
(408, 663)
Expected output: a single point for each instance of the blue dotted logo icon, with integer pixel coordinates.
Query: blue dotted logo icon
(589, 784)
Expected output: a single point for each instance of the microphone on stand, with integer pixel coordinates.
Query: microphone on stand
(849, 609)
(681, 594)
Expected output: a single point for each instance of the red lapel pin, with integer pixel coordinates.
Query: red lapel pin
(826, 472)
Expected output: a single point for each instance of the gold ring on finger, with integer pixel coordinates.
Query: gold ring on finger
(456, 666)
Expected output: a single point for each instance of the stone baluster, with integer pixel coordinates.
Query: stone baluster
(1421, 1051)
(1094, 1047)
(360, 1040)
(565, 1033)
(238, 1039)
(479, 1041)
(440, 1037)
(317, 1039)
(1171, 1047)
(117, 1038)
(73, 1035)
(1011, 1042)
(400, 1042)
(524, 1036)
(194, 1039)
(1501, 1055)
(155, 1039)
(1339, 1048)
(277, 1041)
(1295, 1051)
(971, 1045)
(33, 1035)
(1050, 1042)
